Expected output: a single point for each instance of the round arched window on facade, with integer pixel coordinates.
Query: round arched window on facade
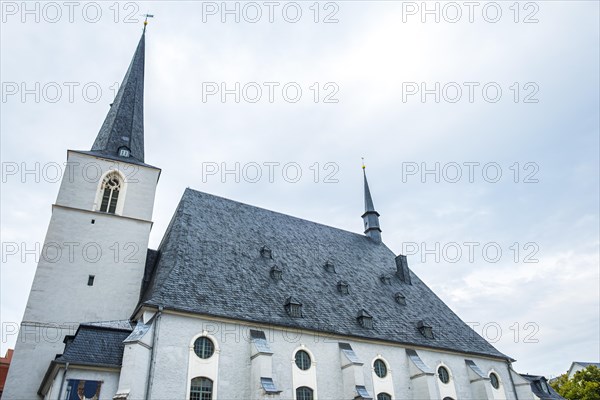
(204, 347)
(380, 368)
(201, 389)
(304, 393)
(384, 396)
(443, 374)
(494, 381)
(303, 360)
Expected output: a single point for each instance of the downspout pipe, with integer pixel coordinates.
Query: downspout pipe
(152, 353)
(510, 370)
(62, 382)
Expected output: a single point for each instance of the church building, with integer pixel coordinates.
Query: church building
(237, 302)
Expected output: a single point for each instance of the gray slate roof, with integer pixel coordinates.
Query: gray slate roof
(95, 345)
(124, 124)
(587, 364)
(210, 263)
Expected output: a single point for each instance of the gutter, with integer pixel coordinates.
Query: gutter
(253, 323)
(152, 354)
(512, 381)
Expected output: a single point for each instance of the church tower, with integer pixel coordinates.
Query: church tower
(92, 262)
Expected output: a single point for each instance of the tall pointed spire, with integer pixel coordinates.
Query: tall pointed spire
(122, 133)
(370, 217)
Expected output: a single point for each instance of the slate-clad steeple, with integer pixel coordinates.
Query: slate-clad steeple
(371, 217)
(122, 133)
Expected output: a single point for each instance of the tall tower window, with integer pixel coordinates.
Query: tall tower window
(110, 187)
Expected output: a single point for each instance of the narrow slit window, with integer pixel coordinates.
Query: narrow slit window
(91, 280)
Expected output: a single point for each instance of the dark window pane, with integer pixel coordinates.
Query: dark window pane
(201, 389)
(113, 201)
(304, 393)
(105, 198)
(303, 360)
(204, 347)
(443, 374)
(380, 368)
(494, 380)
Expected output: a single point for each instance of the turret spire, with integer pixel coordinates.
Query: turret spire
(370, 217)
(122, 133)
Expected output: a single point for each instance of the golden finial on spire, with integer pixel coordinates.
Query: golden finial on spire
(146, 20)
(363, 163)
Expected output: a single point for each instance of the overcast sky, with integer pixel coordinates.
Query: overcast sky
(514, 137)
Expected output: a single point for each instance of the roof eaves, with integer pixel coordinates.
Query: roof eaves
(283, 325)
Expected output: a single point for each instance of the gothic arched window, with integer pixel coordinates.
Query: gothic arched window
(304, 393)
(111, 185)
(201, 389)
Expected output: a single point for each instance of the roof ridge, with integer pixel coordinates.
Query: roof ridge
(196, 192)
(109, 328)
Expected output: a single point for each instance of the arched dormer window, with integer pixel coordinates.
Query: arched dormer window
(111, 186)
(201, 389)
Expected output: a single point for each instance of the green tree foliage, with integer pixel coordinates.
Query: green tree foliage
(585, 385)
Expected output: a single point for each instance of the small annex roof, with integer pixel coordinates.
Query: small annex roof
(96, 345)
